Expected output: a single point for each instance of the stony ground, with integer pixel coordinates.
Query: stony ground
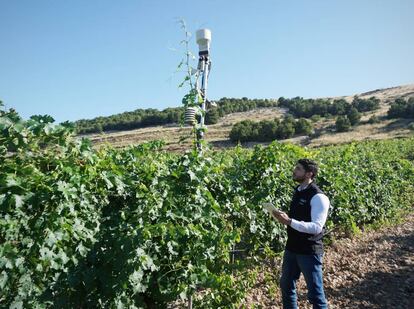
(372, 270)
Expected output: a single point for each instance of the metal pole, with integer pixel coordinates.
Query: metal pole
(190, 302)
(204, 67)
(203, 37)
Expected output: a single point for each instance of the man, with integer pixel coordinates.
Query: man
(304, 248)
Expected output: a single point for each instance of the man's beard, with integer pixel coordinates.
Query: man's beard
(298, 179)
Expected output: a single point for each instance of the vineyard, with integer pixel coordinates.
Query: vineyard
(140, 227)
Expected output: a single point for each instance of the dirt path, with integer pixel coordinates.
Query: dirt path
(372, 270)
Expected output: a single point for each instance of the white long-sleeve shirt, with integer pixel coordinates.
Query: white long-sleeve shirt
(319, 212)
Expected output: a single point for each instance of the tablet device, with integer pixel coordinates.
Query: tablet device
(270, 208)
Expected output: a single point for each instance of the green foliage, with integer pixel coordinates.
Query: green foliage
(373, 119)
(241, 131)
(212, 116)
(402, 108)
(324, 107)
(303, 126)
(354, 116)
(266, 130)
(232, 105)
(139, 227)
(142, 118)
(342, 124)
(365, 105)
(315, 118)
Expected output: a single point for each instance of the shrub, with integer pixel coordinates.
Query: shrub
(342, 124)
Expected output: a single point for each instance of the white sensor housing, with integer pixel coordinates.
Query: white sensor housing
(203, 37)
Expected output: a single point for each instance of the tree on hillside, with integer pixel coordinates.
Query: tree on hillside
(286, 129)
(241, 131)
(342, 124)
(303, 126)
(267, 130)
(354, 116)
(212, 116)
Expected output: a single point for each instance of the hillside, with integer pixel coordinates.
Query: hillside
(325, 134)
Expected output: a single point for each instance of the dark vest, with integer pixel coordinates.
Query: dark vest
(300, 209)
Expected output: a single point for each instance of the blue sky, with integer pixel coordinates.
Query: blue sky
(81, 59)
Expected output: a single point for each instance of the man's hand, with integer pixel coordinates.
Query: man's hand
(282, 217)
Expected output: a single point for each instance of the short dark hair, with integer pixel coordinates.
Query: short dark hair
(309, 166)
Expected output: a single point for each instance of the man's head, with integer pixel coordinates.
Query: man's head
(305, 169)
